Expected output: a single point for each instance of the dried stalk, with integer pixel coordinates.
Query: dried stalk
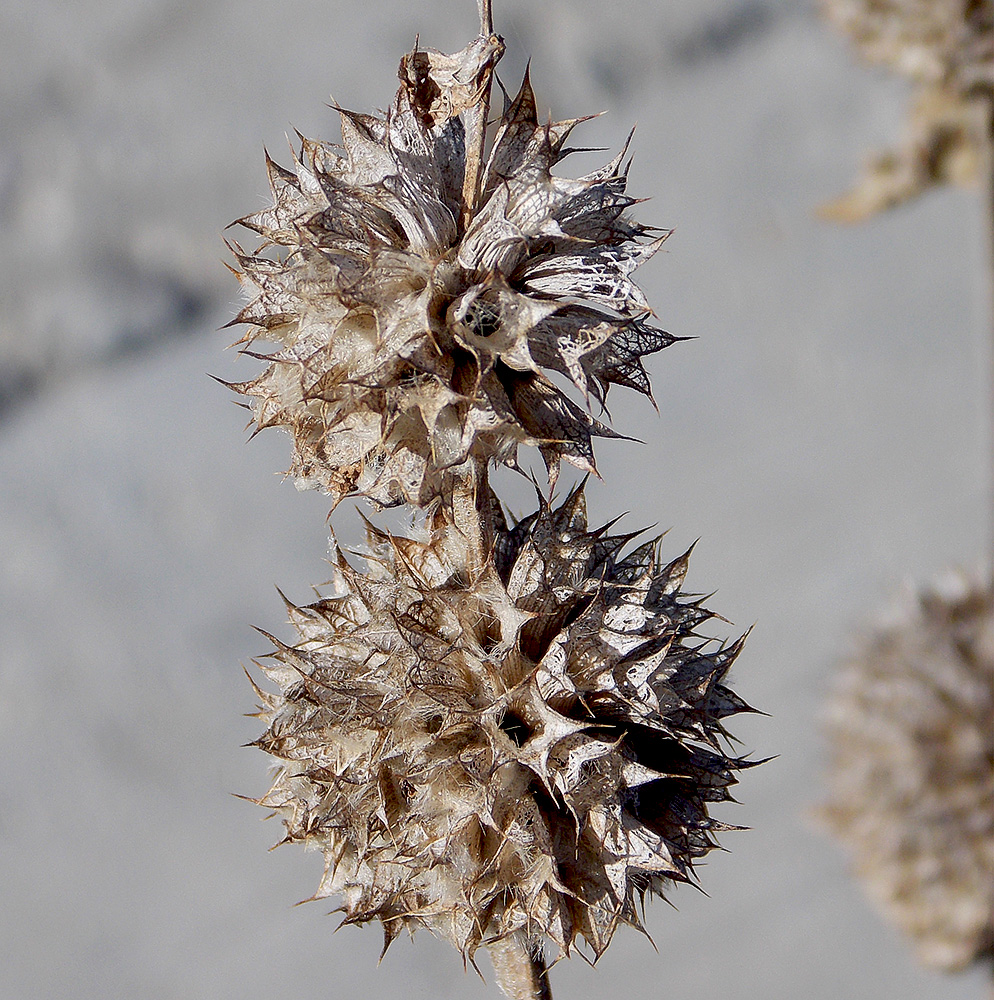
(486, 17)
(987, 184)
(476, 124)
(521, 973)
(912, 721)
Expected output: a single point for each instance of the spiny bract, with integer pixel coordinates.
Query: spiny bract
(532, 749)
(947, 48)
(912, 772)
(416, 329)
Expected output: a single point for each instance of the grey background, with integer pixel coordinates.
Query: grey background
(824, 438)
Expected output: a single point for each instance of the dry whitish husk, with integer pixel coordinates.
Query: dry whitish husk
(417, 334)
(947, 48)
(912, 771)
(518, 753)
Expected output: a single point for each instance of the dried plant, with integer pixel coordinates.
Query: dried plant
(912, 722)
(417, 323)
(501, 733)
(530, 749)
(912, 772)
(947, 48)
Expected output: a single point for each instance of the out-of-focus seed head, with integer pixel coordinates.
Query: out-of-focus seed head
(528, 750)
(947, 48)
(418, 330)
(912, 772)
(933, 41)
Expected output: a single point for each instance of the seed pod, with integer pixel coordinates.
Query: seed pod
(527, 751)
(418, 330)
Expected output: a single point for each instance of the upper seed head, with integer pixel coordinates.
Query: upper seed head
(418, 331)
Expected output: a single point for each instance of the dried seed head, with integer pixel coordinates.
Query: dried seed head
(530, 750)
(417, 329)
(947, 48)
(912, 773)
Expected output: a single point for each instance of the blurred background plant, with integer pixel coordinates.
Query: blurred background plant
(912, 771)
(946, 48)
(911, 722)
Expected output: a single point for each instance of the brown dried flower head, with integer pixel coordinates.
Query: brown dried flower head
(912, 773)
(947, 48)
(526, 750)
(420, 312)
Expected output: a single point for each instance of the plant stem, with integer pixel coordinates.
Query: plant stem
(521, 973)
(486, 17)
(987, 182)
(476, 123)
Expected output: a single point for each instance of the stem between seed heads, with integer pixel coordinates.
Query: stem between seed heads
(521, 973)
